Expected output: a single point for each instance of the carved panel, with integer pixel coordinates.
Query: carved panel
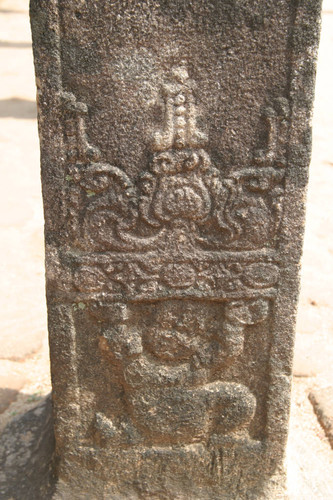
(172, 269)
(168, 230)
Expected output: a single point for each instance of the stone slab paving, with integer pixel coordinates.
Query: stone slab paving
(314, 338)
(23, 333)
(309, 455)
(23, 313)
(322, 400)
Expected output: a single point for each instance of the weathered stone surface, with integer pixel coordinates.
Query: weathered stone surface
(174, 146)
(26, 455)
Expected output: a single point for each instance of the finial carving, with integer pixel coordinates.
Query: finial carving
(78, 111)
(180, 127)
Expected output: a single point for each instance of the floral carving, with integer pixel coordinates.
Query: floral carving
(181, 206)
(181, 200)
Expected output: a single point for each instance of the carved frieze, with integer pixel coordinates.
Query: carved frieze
(188, 220)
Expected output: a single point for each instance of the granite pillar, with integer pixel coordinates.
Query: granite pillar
(175, 142)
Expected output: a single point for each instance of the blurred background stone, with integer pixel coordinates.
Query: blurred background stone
(322, 400)
(26, 454)
(9, 389)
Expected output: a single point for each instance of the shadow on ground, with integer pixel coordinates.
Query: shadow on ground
(9, 11)
(14, 45)
(18, 108)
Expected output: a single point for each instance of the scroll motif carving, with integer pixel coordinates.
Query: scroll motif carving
(182, 201)
(205, 277)
(181, 209)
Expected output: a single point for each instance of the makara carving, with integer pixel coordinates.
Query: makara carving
(182, 200)
(182, 208)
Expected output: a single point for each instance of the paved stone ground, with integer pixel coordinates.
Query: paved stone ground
(24, 365)
(314, 339)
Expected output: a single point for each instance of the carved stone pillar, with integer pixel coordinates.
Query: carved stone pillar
(175, 143)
